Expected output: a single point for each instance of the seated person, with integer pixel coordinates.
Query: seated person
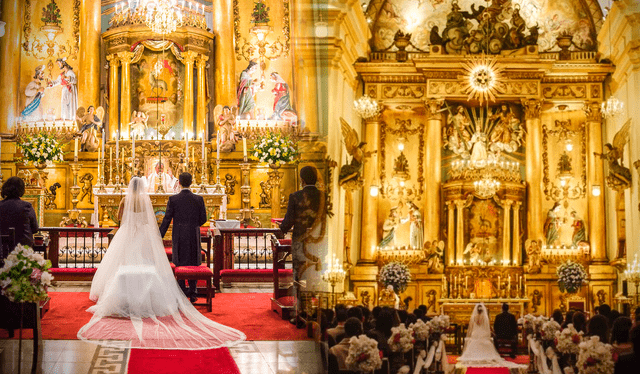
(352, 327)
(505, 328)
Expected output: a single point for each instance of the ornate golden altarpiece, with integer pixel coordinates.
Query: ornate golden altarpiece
(418, 97)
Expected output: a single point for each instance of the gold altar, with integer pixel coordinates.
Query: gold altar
(459, 310)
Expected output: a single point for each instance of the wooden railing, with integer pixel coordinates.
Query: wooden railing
(74, 247)
(243, 249)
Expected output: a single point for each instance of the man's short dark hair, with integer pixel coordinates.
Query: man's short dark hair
(423, 308)
(505, 307)
(185, 179)
(341, 315)
(620, 330)
(309, 175)
(355, 312)
(353, 327)
(13, 188)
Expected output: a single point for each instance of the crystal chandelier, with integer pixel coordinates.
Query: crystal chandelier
(632, 274)
(612, 107)
(486, 187)
(366, 107)
(163, 16)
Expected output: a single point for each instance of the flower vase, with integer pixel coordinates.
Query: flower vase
(41, 166)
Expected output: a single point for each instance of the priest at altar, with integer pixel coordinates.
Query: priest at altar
(166, 179)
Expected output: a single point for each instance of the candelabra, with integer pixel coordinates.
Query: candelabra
(275, 177)
(246, 213)
(101, 184)
(218, 188)
(334, 275)
(74, 217)
(633, 275)
(118, 185)
(204, 177)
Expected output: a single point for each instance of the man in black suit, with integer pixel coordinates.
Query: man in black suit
(188, 213)
(506, 328)
(17, 213)
(305, 210)
(628, 364)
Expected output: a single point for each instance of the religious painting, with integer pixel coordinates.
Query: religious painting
(428, 20)
(538, 296)
(157, 86)
(483, 235)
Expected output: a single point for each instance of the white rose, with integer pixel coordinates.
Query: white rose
(46, 278)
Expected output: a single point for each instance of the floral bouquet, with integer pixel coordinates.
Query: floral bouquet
(528, 322)
(595, 357)
(395, 274)
(571, 276)
(363, 354)
(438, 325)
(24, 276)
(274, 149)
(41, 148)
(568, 340)
(402, 339)
(421, 330)
(549, 330)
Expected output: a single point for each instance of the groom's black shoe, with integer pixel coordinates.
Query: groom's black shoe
(193, 299)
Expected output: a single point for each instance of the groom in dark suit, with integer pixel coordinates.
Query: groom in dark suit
(188, 213)
(506, 329)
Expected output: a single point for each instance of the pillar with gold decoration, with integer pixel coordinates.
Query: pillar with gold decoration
(201, 113)
(114, 64)
(433, 158)
(89, 61)
(595, 175)
(189, 58)
(533, 171)
(369, 236)
(10, 50)
(125, 92)
(224, 56)
(304, 63)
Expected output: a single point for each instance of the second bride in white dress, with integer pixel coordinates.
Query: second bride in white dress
(138, 298)
(479, 350)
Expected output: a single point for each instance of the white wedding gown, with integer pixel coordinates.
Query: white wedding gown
(138, 298)
(479, 350)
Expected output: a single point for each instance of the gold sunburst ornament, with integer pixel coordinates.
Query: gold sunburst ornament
(482, 78)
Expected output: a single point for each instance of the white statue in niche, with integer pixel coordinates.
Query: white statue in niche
(415, 229)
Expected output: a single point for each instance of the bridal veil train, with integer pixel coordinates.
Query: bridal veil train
(138, 298)
(479, 350)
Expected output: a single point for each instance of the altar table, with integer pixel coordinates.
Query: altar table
(459, 310)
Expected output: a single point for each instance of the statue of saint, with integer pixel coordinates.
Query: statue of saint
(282, 109)
(247, 87)
(69, 100)
(552, 225)
(90, 123)
(389, 228)
(579, 229)
(34, 93)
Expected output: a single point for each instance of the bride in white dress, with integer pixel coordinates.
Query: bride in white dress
(138, 298)
(479, 350)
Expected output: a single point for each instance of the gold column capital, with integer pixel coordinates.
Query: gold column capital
(201, 61)
(433, 107)
(125, 57)
(114, 60)
(532, 108)
(593, 111)
(189, 57)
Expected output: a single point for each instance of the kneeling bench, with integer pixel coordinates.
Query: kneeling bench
(73, 274)
(198, 273)
(254, 275)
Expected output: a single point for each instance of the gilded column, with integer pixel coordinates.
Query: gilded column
(506, 234)
(369, 234)
(304, 66)
(533, 170)
(595, 176)
(201, 120)
(10, 50)
(432, 156)
(89, 62)
(459, 229)
(451, 229)
(224, 55)
(187, 117)
(114, 63)
(517, 248)
(125, 92)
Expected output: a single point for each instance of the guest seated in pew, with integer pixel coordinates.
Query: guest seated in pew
(338, 331)
(568, 319)
(17, 213)
(557, 316)
(580, 321)
(629, 364)
(352, 327)
(598, 326)
(620, 336)
(355, 312)
(505, 328)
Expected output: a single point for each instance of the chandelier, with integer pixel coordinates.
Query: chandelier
(482, 76)
(366, 107)
(612, 107)
(163, 16)
(486, 187)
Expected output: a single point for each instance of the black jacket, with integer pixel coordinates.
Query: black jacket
(302, 212)
(505, 326)
(20, 215)
(188, 213)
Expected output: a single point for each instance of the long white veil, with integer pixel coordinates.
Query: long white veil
(138, 298)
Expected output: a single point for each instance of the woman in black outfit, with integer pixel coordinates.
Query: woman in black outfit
(17, 213)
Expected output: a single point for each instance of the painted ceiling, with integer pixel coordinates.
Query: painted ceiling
(553, 17)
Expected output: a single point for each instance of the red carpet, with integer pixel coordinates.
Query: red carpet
(522, 359)
(162, 361)
(248, 312)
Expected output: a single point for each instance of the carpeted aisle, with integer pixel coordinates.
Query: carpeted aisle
(162, 361)
(247, 312)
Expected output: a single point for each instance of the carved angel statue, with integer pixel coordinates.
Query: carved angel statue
(619, 177)
(138, 123)
(353, 170)
(534, 256)
(89, 122)
(433, 256)
(225, 121)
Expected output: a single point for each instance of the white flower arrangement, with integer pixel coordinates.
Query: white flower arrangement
(549, 330)
(402, 339)
(528, 321)
(40, 148)
(595, 357)
(274, 148)
(363, 354)
(421, 330)
(439, 324)
(571, 276)
(395, 274)
(568, 340)
(24, 276)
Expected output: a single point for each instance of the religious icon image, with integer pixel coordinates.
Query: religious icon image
(34, 93)
(415, 231)
(484, 219)
(90, 125)
(552, 225)
(247, 87)
(138, 124)
(225, 121)
(67, 79)
(389, 228)
(282, 109)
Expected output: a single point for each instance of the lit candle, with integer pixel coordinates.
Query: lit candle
(466, 281)
(520, 281)
(104, 134)
(218, 145)
(455, 281)
(244, 147)
(75, 150)
(203, 144)
(509, 285)
(186, 152)
(133, 150)
(110, 157)
(498, 283)
(117, 144)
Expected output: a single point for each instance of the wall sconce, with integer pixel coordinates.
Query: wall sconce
(401, 144)
(374, 190)
(568, 145)
(321, 28)
(596, 190)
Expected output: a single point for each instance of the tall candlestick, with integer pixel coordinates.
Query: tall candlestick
(498, 283)
(509, 286)
(218, 145)
(117, 144)
(104, 134)
(244, 147)
(203, 144)
(186, 152)
(133, 152)
(75, 150)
